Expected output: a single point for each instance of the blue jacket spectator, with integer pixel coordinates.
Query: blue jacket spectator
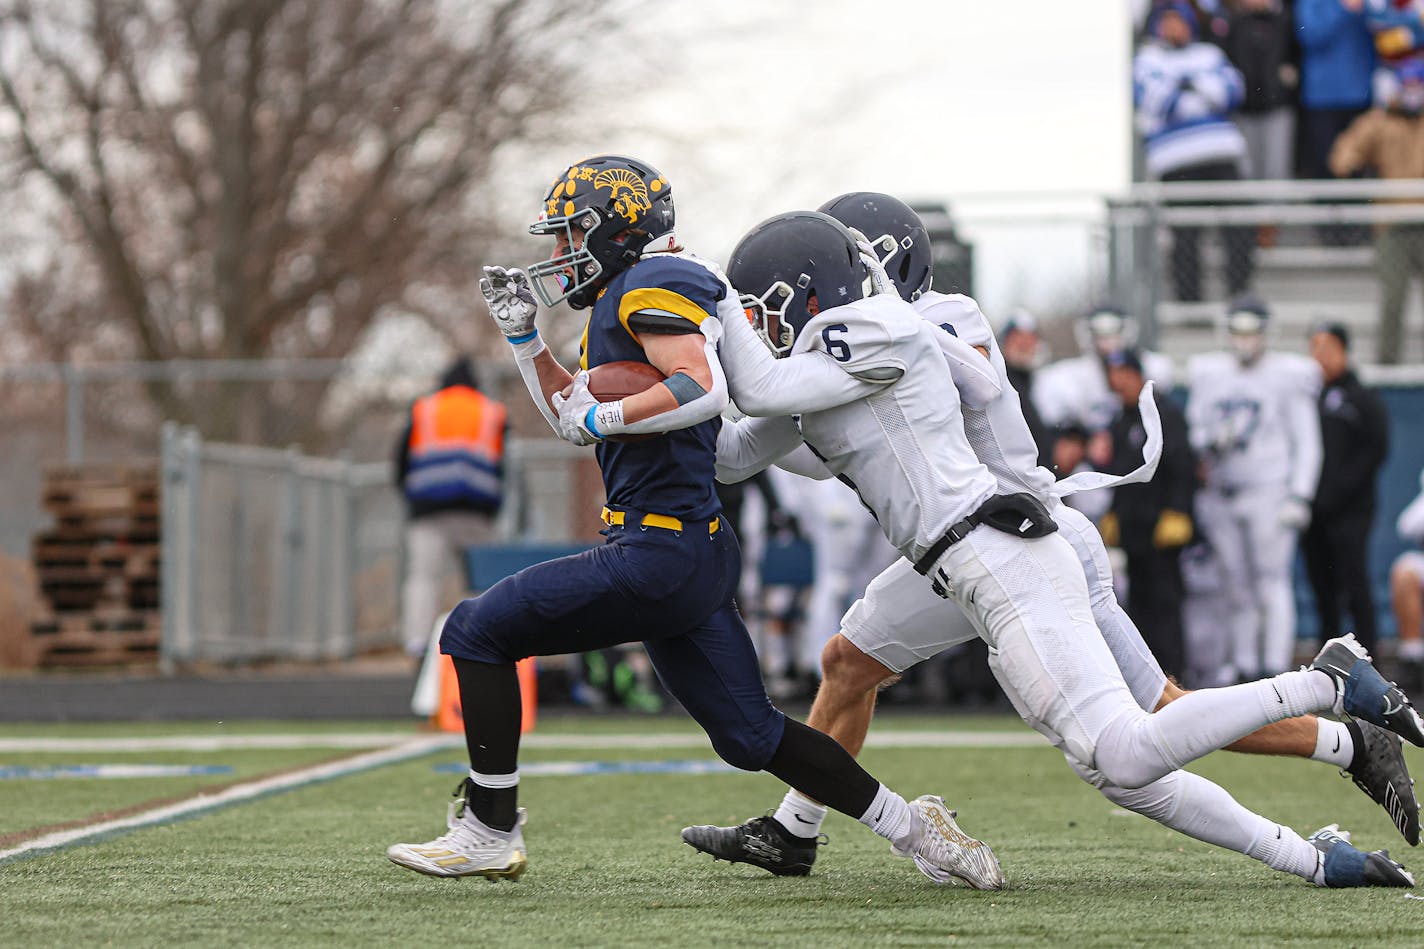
(1184, 92)
(1337, 55)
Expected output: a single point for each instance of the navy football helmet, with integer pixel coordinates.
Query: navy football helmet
(785, 262)
(895, 231)
(609, 209)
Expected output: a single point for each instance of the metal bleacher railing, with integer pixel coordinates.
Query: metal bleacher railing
(1313, 250)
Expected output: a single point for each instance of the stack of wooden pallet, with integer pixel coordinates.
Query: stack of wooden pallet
(98, 566)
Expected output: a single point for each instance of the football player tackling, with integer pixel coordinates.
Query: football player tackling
(668, 571)
(1027, 597)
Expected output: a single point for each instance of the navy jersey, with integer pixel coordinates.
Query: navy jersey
(673, 473)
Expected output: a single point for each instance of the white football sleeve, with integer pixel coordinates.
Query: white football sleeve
(973, 375)
(524, 356)
(747, 447)
(708, 405)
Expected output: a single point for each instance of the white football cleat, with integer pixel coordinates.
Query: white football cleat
(943, 851)
(468, 849)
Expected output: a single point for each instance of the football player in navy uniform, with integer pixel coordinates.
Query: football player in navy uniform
(667, 574)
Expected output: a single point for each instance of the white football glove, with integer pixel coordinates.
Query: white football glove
(573, 411)
(880, 281)
(510, 299)
(1294, 514)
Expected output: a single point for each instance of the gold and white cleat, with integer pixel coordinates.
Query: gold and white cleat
(944, 852)
(468, 849)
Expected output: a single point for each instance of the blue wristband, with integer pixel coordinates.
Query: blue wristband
(588, 422)
(513, 340)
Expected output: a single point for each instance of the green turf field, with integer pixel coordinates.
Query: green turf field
(607, 869)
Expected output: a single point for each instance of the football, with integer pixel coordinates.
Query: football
(618, 380)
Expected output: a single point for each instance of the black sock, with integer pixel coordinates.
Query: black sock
(815, 765)
(491, 704)
(1357, 735)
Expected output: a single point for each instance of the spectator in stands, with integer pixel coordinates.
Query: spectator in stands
(1151, 521)
(1354, 434)
(1398, 30)
(1020, 343)
(1337, 61)
(1406, 593)
(1260, 43)
(450, 468)
(1185, 93)
(1391, 140)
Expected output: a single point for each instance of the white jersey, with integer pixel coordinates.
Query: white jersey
(997, 429)
(1256, 424)
(902, 446)
(997, 432)
(1075, 390)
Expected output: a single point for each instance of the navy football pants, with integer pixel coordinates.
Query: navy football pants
(671, 590)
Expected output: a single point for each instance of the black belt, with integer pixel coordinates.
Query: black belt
(1022, 515)
(951, 537)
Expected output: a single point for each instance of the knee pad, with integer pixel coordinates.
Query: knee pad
(1156, 801)
(466, 637)
(745, 751)
(1126, 754)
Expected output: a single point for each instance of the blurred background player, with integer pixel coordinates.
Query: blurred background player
(1075, 390)
(1185, 93)
(1406, 590)
(1354, 435)
(849, 549)
(1151, 521)
(450, 468)
(1022, 346)
(1253, 421)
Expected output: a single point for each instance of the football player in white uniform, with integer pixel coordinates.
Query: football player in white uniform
(1253, 420)
(1075, 390)
(1026, 597)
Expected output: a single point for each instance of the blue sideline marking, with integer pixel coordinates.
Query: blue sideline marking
(23, 773)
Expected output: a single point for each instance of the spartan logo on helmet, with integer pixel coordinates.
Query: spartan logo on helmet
(609, 211)
(630, 194)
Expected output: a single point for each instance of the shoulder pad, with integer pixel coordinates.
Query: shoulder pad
(864, 336)
(961, 313)
(1159, 369)
(678, 287)
(1209, 364)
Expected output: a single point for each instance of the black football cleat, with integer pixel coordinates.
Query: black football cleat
(761, 841)
(1344, 865)
(1364, 694)
(1379, 770)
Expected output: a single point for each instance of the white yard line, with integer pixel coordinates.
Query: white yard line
(238, 793)
(553, 741)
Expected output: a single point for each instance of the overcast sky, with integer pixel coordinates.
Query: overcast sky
(764, 108)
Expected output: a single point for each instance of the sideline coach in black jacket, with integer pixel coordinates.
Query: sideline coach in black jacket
(1152, 521)
(1354, 432)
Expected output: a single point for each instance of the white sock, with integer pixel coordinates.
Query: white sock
(889, 816)
(800, 815)
(1207, 719)
(1334, 744)
(1192, 805)
(1411, 650)
(1281, 848)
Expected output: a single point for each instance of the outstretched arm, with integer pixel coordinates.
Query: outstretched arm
(747, 447)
